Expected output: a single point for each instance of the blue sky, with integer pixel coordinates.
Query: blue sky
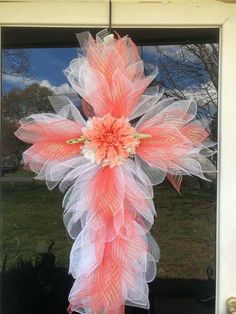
(47, 65)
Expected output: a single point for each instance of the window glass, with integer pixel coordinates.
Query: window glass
(35, 247)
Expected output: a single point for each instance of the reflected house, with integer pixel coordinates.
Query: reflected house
(185, 227)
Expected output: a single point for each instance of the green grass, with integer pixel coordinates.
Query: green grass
(19, 173)
(184, 229)
(31, 220)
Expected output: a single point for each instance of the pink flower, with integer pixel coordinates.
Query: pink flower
(109, 140)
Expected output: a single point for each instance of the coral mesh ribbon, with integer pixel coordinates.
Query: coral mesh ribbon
(107, 164)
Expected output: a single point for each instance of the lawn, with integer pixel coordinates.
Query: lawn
(184, 229)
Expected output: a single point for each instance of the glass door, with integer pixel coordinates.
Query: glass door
(35, 247)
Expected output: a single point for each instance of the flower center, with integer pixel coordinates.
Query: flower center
(109, 140)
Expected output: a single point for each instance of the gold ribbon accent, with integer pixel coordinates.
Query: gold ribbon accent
(142, 136)
(82, 139)
(77, 140)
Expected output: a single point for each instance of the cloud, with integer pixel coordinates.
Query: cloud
(22, 82)
(17, 80)
(64, 88)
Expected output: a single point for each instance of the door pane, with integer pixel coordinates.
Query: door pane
(35, 247)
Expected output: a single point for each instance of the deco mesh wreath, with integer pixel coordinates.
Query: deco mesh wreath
(132, 138)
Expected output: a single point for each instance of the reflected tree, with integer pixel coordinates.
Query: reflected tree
(16, 104)
(188, 71)
(16, 62)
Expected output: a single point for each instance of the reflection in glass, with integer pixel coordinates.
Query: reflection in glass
(35, 247)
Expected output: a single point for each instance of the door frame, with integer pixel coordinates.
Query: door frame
(162, 14)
